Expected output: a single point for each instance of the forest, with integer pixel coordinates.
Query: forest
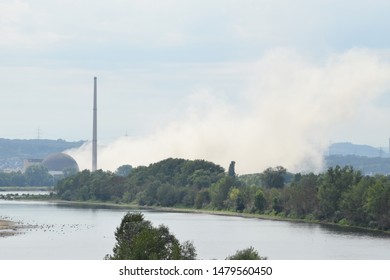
(340, 195)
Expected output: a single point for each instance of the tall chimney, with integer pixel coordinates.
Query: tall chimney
(94, 136)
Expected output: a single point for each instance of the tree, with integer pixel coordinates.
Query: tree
(274, 177)
(378, 203)
(167, 195)
(17, 179)
(236, 200)
(202, 198)
(124, 170)
(353, 202)
(246, 254)
(137, 239)
(260, 201)
(335, 182)
(231, 171)
(38, 175)
(220, 190)
(301, 198)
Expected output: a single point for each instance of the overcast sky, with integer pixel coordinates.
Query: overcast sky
(315, 68)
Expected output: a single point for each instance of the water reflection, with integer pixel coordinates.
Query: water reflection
(354, 231)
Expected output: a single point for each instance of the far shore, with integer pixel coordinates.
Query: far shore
(36, 188)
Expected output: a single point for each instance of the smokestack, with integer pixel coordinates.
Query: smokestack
(94, 136)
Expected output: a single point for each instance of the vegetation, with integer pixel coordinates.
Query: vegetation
(34, 175)
(340, 195)
(137, 239)
(246, 254)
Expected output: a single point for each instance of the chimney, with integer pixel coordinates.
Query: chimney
(94, 136)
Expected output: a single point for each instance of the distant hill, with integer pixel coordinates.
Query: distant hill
(347, 148)
(367, 165)
(14, 151)
(369, 160)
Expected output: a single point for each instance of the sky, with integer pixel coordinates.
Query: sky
(264, 83)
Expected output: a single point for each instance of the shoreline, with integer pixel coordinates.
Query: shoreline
(219, 213)
(7, 228)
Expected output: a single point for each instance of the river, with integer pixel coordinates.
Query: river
(60, 232)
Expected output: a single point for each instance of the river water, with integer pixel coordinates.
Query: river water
(60, 231)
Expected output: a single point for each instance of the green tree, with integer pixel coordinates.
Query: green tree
(231, 170)
(220, 190)
(246, 254)
(334, 183)
(353, 203)
(137, 239)
(202, 198)
(124, 170)
(260, 201)
(17, 179)
(236, 201)
(301, 198)
(378, 204)
(274, 177)
(167, 195)
(38, 175)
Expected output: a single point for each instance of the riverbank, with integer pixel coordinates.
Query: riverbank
(7, 228)
(134, 206)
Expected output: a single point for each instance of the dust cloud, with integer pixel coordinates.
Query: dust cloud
(285, 116)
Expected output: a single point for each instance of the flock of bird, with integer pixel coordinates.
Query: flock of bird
(55, 228)
(21, 227)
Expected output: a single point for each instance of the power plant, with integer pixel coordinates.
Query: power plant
(94, 133)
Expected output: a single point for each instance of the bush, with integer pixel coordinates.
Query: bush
(246, 254)
(137, 239)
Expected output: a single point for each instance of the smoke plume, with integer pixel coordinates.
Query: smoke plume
(284, 116)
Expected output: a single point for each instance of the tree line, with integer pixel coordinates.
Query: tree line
(34, 175)
(340, 195)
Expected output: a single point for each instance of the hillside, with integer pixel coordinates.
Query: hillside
(369, 160)
(367, 165)
(346, 148)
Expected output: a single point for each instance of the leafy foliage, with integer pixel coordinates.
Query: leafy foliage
(246, 254)
(274, 177)
(137, 239)
(166, 183)
(231, 170)
(35, 175)
(124, 170)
